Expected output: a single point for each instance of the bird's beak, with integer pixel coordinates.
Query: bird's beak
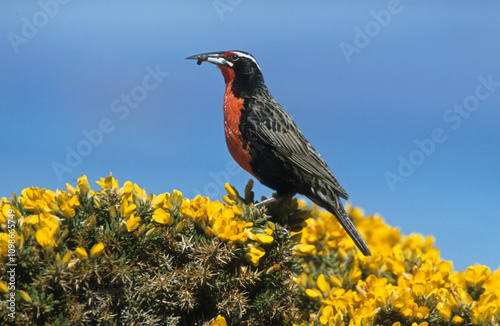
(215, 58)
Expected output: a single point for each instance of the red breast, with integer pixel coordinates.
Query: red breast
(232, 113)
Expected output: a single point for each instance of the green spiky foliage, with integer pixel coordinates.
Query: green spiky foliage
(155, 274)
(119, 256)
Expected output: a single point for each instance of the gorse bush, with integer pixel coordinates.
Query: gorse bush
(119, 256)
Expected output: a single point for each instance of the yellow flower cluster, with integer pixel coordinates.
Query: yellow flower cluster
(404, 281)
(225, 220)
(40, 214)
(43, 211)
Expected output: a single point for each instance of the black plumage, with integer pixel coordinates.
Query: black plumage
(280, 156)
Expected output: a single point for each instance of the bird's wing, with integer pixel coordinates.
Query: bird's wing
(276, 128)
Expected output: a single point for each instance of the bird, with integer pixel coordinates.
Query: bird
(265, 141)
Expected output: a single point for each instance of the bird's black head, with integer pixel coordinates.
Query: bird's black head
(240, 69)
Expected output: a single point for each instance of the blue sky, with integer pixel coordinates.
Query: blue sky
(401, 98)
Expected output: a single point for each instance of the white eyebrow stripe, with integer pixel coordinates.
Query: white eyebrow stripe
(248, 57)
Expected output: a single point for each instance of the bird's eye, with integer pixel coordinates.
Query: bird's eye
(234, 57)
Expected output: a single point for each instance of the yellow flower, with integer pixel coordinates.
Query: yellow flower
(444, 309)
(227, 213)
(313, 293)
(254, 254)
(150, 232)
(269, 230)
(231, 192)
(66, 259)
(462, 297)
(140, 194)
(305, 248)
(45, 237)
(96, 250)
(209, 232)
(83, 185)
(67, 207)
(187, 211)
(322, 284)
(142, 229)
(219, 321)
(3, 287)
(354, 275)
(108, 184)
(264, 238)
(133, 222)
(180, 226)
(475, 276)
(7, 212)
(70, 189)
(422, 312)
(357, 213)
(213, 210)
(418, 289)
(157, 201)
(176, 198)
(126, 189)
(25, 296)
(81, 253)
(126, 209)
(162, 217)
(237, 210)
(228, 200)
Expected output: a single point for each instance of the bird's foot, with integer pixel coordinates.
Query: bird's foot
(270, 205)
(268, 201)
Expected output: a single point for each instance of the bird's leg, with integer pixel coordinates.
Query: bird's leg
(270, 200)
(281, 198)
